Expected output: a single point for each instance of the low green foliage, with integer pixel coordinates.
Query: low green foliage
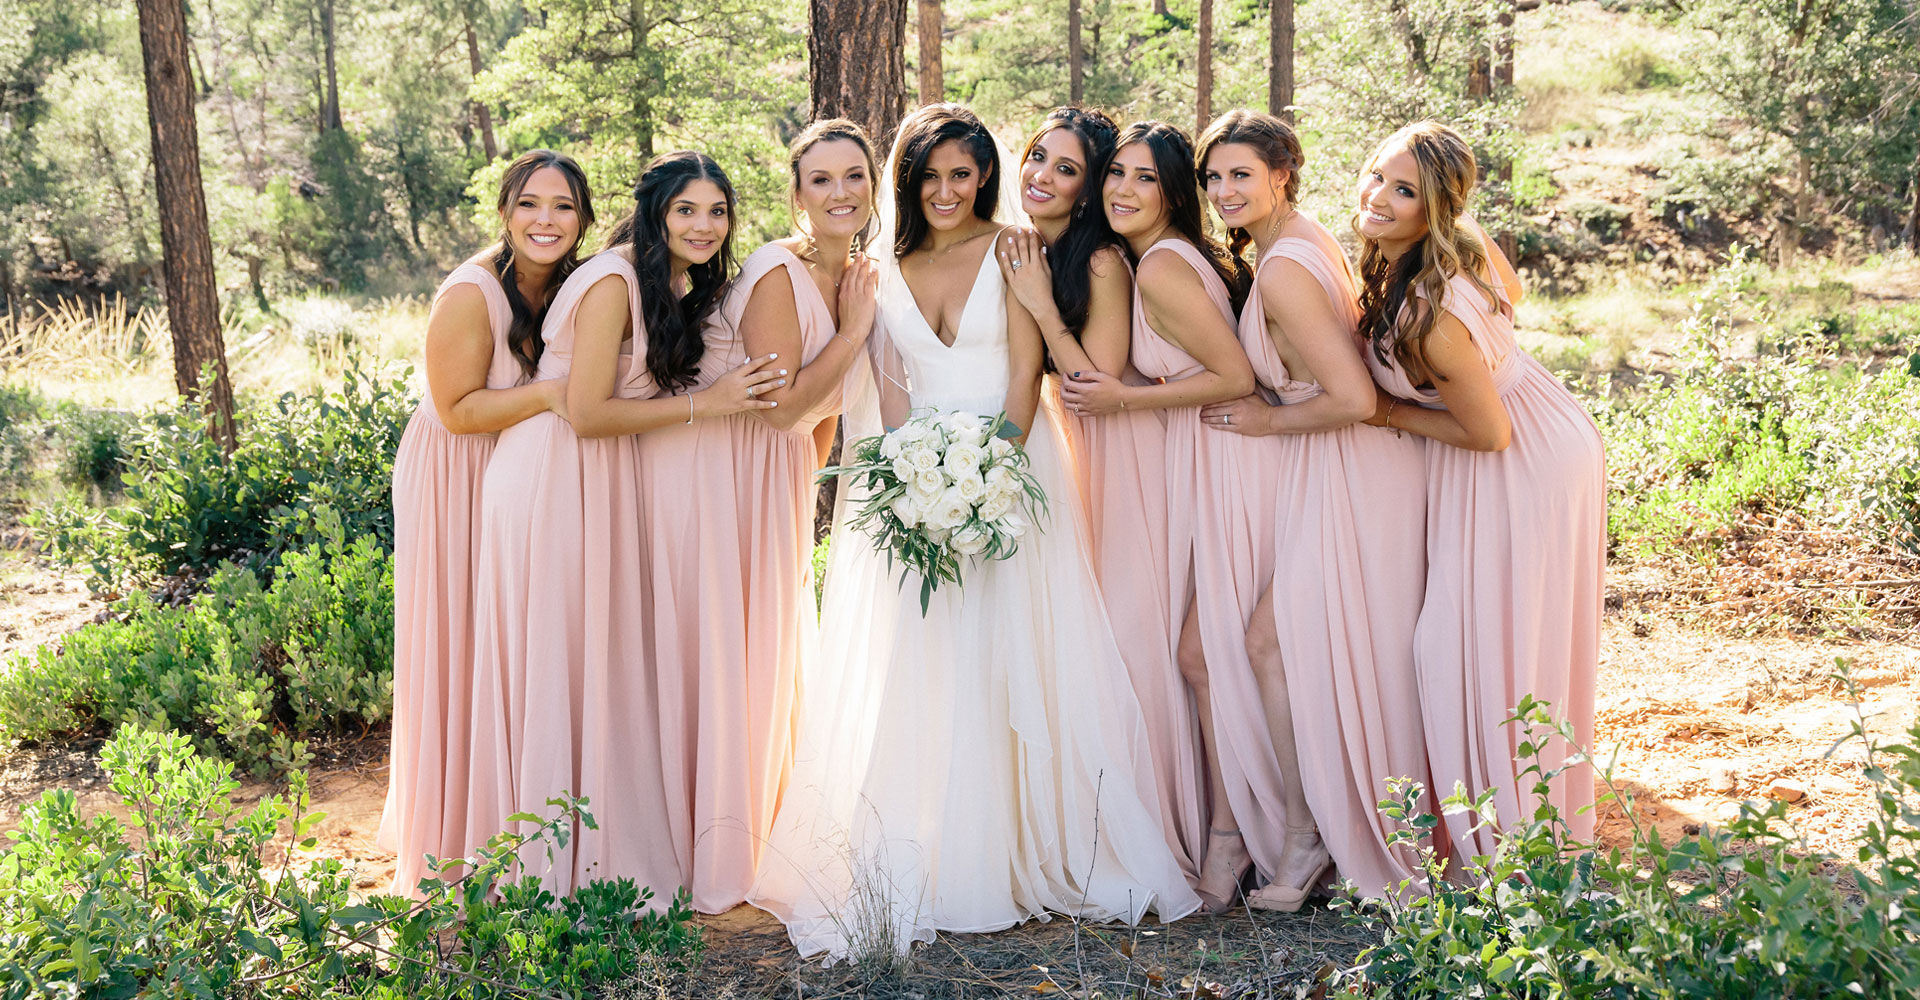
(179, 901)
(245, 664)
(1736, 912)
(1801, 427)
(189, 506)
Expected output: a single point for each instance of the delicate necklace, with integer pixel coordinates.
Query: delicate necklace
(1273, 228)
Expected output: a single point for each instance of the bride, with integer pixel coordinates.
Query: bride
(986, 763)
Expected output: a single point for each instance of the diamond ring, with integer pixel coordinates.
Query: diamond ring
(1014, 265)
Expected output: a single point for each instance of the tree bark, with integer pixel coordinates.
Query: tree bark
(1160, 7)
(933, 77)
(1076, 55)
(193, 306)
(642, 95)
(330, 113)
(1280, 62)
(856, 50)
(482, 116)
(1203, 80)
(1913, 220)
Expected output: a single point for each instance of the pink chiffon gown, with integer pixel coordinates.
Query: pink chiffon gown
(728, 506)
(1221, 492)
(1121, 461)
(436, 533)
(1516, 556)
(563, 700)
(1349, 574)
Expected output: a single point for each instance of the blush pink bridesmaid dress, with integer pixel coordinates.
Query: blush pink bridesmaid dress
(727, 506)
(562, 660)
(436, 531)
(1349, 574)
(1221, 491)
(1121, 461)
(1516, 556)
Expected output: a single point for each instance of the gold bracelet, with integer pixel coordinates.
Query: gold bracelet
(849, 340)
(689, 407)
(1391, 403)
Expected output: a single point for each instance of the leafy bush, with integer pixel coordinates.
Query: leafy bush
(242, 667)
(179, 901)
(93, 444)
(189, 505)
(1734, 912)
(20, 409)
(1799, 428)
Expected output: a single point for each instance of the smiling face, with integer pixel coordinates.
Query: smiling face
(1243, 189)
(1053, 174)
(836, 189)
(696, 223)
(1391, 212)
(543, 220)
(949, 186)
(1136, 204)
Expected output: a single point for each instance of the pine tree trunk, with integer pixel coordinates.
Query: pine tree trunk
(193, 307)
(856, 52)
(1203, 81)
(1280, 61)
(642, 95)
(933, 78)
(1076, 56)
(1160, 7)
(330, 113)
(482, 116)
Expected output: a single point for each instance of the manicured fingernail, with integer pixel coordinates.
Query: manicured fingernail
(773, 357)
(1076, 374)
(783, 371)
(772, 405)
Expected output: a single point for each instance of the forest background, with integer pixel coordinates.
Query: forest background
(1715, 205)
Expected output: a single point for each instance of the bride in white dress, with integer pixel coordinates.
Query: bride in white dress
(987, 763)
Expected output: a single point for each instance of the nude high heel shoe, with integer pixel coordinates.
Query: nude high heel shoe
(1223, 879)
(1276, 898)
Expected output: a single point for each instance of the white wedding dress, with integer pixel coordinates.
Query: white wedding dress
(985, 764)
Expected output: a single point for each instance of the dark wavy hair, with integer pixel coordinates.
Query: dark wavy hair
(523, 334)
(1180, 190)
(919, 134)
(830, 130)
(1087, 229)
(1271, 139)
(674, 346)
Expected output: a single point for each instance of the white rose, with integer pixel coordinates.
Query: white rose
(923, 458)
(903, 470)
(906, 509)
(971, 539)
(995, 506)
(951, 511)
(967, 428)
(1014, 526)
(964, 459)
(999, 449)
(932, 481)
(1000, 478)
(971, 486)
(891, 446)
(934, 535)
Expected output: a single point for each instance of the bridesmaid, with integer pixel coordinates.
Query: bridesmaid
(1515, 486)
(1078, 286)
(483, 342)
(1219, 490)
(1350, 529)
(560, 682)
(728, 508)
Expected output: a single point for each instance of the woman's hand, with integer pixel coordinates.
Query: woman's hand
(1023, 263)
(857, 287)
(1093, 393)
(738, 390)
(554, 392)
(1246, 415)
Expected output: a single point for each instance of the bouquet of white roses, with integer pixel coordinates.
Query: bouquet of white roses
(940, 487)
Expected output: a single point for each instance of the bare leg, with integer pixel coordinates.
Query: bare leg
(1303, 858)
(1226, 859)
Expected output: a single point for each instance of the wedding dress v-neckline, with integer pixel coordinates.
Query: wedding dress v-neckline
(966, 307)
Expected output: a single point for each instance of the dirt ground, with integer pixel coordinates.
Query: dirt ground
(1694, 721)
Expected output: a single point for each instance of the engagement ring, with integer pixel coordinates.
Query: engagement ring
(1015, 265)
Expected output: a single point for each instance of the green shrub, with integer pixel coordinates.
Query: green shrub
(1797, 428)
(93, 444)
(178, 901)
(188, 505)
(1735, 912)
(240, 668)
(20, 413)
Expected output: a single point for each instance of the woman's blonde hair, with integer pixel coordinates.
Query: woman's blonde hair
(1446, 174)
